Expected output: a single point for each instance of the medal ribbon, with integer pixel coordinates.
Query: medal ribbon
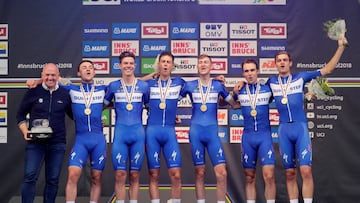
(162, 92)
(284, 90)
(128, 97)
(253, 97)
(87, 100)
(204, 98)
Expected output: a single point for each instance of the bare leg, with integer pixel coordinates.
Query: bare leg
(71, 185)
(95, 185)
(199, 182)
(154, 183)
(269, 179)
(120, 179)
(134, 185)
(291, 183)
(250, 180)
(175, 177)
(221, 181)
(308, 182)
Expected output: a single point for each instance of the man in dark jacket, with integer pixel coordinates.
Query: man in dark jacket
(46, 104)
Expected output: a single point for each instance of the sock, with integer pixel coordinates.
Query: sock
(270, 201)
(250, 201)
(155, 201)
(200, 201)
(220, 201)
(176, 200)
(92, 202)
(133, 201)
(120, 201)
(308, 200)
(294, 201)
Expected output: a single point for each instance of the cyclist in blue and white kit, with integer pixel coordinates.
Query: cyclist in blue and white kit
(87, 105)
(294, 137)
(256, 140)
(129, 96)
(160, 131)
(204, 94)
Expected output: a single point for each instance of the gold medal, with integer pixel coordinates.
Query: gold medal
(87, 111)
(129, 107)
(203, 107)
(284, 100)
(253, 112)
(162, 105)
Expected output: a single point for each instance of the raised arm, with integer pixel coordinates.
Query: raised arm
(330, 66)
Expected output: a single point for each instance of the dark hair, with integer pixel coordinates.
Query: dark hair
(283, 52)
(83, 61)
(126, 54)
(204, 56)
(250, 61)
(166, 53)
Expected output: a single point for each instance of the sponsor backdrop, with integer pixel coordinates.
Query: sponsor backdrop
(64, 32)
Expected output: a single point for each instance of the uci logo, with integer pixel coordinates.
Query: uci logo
(101, 2)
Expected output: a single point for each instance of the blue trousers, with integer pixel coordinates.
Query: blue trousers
(35, 155)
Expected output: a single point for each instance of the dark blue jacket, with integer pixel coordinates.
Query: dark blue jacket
(41, 104)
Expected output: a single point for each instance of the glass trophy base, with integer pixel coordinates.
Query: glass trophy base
(35, 136)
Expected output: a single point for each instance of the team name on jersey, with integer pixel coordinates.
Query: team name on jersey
(295, 87)
(78, 97)
(172, 93)
(262, 99)
(121, 97)
(211, 98)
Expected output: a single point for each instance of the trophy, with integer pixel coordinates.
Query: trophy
(40, 129)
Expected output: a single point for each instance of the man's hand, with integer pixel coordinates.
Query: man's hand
(342, 41)
(238, 86)
(220, 78)
(31, 83)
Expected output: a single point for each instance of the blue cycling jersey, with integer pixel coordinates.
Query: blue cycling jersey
(263, 97)
(83, 122)
(139, 96)
(293, 110)
(166, 116)
(208, 117)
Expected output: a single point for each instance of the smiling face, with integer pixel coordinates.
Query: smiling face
(127, 66)
(283, 63)
(204, 65)
(50, 75)
(86, 71)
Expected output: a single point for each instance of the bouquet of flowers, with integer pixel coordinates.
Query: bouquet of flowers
(320, 88)
(335, 28)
